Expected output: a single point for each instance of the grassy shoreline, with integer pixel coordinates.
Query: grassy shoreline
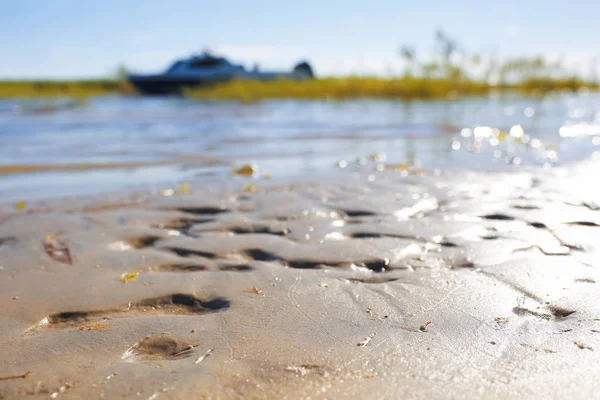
(404, 88)
(53, 89)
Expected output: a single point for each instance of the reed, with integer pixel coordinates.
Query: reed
(406, 88)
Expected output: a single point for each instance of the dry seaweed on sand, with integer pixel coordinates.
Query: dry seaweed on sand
(582, 346)
(247, 170)
(423, 328)
(57, 250)
(250, 188)
(129, 276)
(94, 326)
(184, 188)
(254, 290)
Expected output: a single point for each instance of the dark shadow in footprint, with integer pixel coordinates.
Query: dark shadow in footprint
(490, 237)
(143, 241)
(359, 213)
(305, 264)
(183, 225)
(498, 217)
(459, 263)
(161, 347)
(257, 230)
(375, 265)
(556, 313)
(236, 268)
(181, 252)
(261, 255)
(525, 207)
(355, 222)
(560, 312)
(583, 223)
(525, 312)
(177, 304)
(180, 268)
(182, 304)
(538, 225)
(365, 235)
(203, 210)
(68, 317)
(448, 244)
(373, 279)
(372, 235)
(7, 240)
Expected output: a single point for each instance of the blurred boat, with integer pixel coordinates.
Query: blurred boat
(207, 69)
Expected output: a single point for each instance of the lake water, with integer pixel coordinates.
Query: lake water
(118, 143)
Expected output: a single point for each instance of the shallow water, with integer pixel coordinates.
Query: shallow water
(115, 143)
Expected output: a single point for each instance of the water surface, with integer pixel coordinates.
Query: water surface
(115, 143)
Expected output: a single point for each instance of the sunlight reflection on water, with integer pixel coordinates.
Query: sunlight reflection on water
(198, 140)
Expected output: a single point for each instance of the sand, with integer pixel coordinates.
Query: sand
(463, 285)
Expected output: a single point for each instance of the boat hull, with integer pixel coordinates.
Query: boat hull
(165, 86)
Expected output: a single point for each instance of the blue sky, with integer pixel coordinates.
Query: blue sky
(82, 39)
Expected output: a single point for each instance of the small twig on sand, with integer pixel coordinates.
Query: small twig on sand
(202, 357)
(366, 340)
(5, 378)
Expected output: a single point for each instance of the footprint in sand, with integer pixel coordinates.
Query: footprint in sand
(161, 347)
(178, 304)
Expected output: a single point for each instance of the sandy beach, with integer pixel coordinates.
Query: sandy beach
(299, 200)
(375, 285)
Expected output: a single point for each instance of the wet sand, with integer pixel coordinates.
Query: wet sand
(464, 285)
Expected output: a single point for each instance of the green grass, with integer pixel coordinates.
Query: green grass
(546, 85)
(405, 88)
(339, 89)
(75, 89)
